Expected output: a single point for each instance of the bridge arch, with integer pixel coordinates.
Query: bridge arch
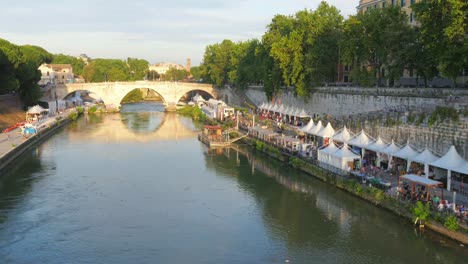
(113, 93)
(149, 89)
(203, 93)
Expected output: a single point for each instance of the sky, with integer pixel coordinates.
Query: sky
(154, 30)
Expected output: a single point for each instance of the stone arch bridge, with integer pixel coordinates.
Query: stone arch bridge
(112, 93)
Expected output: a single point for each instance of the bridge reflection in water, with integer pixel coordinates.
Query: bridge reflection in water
(133, 125)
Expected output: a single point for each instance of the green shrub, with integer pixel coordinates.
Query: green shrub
(193, 111)
(358, 189)
(379, 195)
(259, 145)
(80, 110)
(411, 119)
(420, 120)
(441, 114)
(73, 116)
(92, 109)
(421, 211)
(296, 162)
(451, 223)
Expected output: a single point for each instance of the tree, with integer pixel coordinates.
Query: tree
(374, 41)
(217, 63)
(138, 68)
(77, 64)
(19, 70)
(195, 72)
(443, 26)
(174, 74)
(101, 70)
(305, 46)
(153, 75)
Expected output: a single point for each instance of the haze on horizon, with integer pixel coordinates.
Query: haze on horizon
(170, 31)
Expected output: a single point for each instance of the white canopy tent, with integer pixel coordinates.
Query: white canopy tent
(425, 158)
(327, 131)
(303, 114)
(377, 146)
(294, 112)
(463, 169)
(275, 108)
(281, 109)
(37, 109)
(315, 129)
(343, 135)
(390, 150)
(323, 154)
(307, 127)
(361, 140)
(451, 161)
(407, 152)
(341, 157)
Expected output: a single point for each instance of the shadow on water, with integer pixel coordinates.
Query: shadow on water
(18, 181)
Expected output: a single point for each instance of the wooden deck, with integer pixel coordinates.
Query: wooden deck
(219, 142)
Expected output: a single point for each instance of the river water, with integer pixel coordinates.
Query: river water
(138, 187)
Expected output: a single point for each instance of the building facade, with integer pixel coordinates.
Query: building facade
(163, 67)
(405, 5)
(56, 74)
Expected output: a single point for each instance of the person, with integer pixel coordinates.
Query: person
(436, 199)
(440, 207)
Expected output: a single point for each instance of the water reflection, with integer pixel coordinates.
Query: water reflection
(17, 180)
(133, 126)
(88, 195)
(332, 225)
(142, 117)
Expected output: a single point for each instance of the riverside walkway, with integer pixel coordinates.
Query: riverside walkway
(13, 140)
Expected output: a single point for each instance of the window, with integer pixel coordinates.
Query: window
(384, 4)
(411, 17)
(47, 73)
(412, 1)
(368, 8)
(346, 67)
(375, 6)
(403, 3)
(393, 2)
(346, 78)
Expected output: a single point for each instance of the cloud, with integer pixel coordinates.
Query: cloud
(153, 30)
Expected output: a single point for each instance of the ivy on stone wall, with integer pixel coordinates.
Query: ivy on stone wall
(442, 114)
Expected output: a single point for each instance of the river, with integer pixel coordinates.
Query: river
(138, 187)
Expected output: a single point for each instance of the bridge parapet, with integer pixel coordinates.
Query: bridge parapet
(112, 93)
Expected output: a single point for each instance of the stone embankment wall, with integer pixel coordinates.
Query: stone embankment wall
(372, 109)
(350, 101)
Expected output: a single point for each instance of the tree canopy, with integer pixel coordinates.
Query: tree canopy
(19, 70)
(306, 49)
(111, 70)
(77, 64)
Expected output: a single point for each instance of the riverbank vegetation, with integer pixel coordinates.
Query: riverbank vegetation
(133, 96)
(303, 50)
(446, 224)
(193, 111)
